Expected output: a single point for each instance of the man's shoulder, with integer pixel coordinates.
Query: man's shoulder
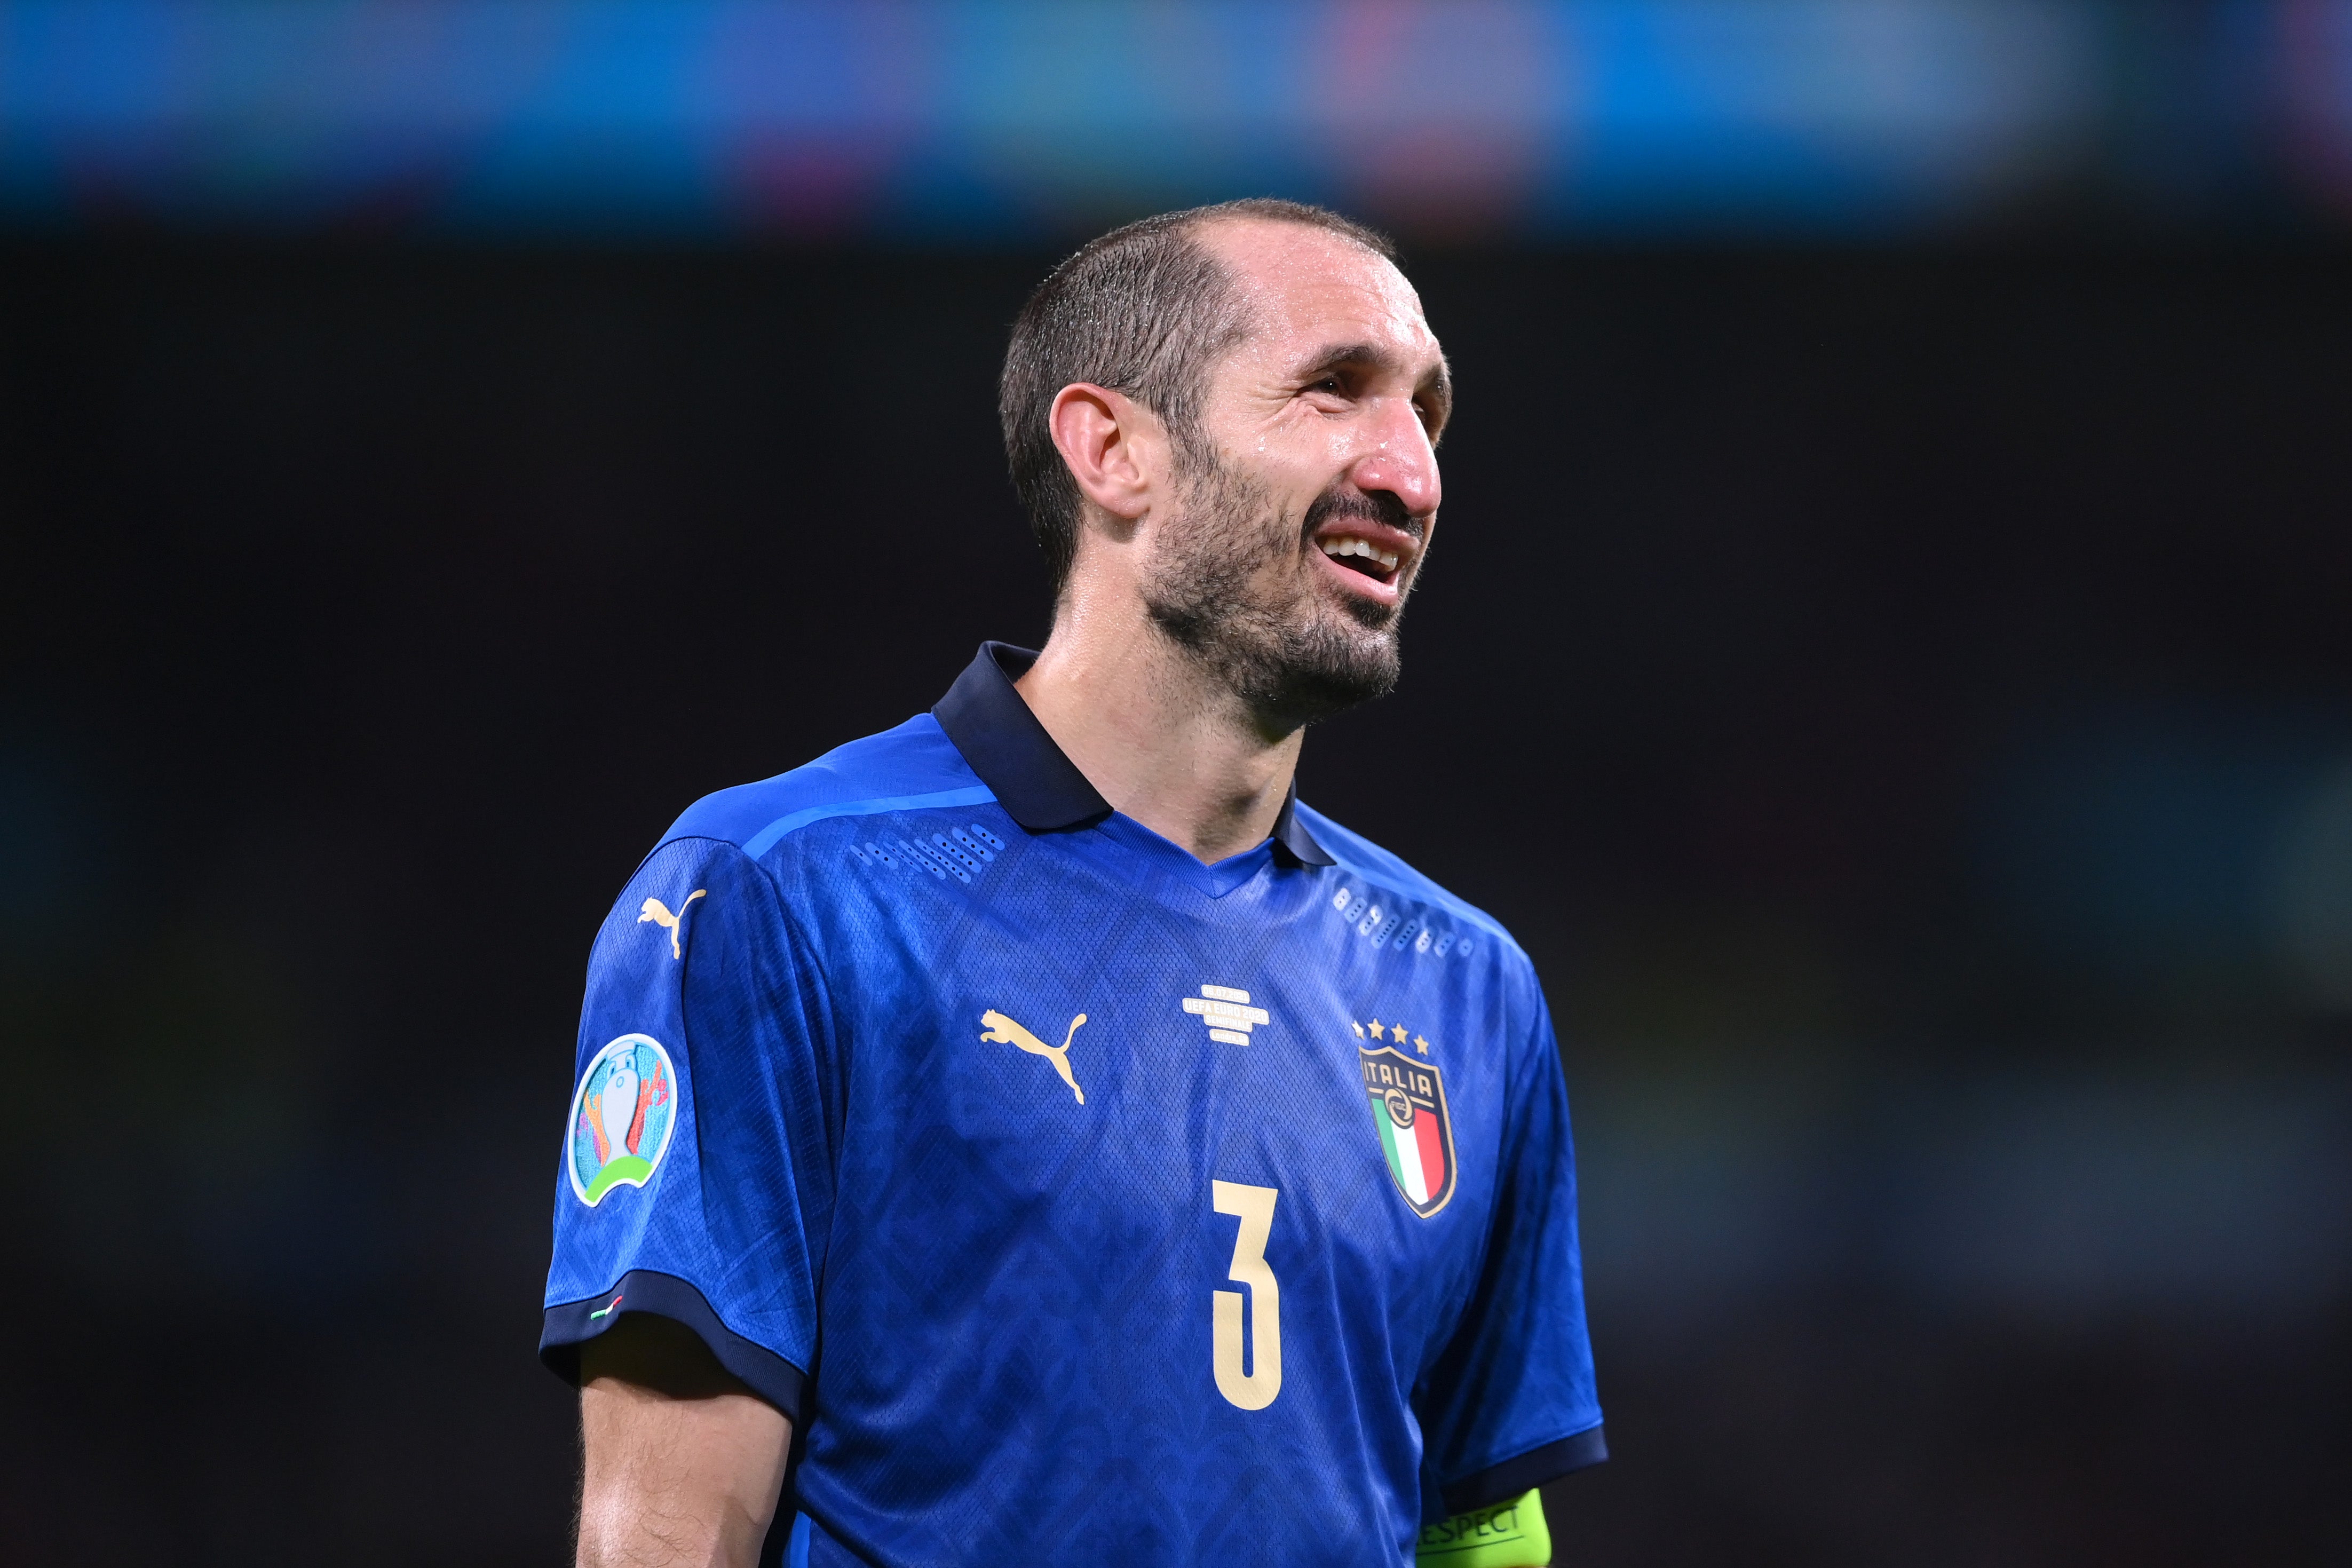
(1360, 861)
(907, 768)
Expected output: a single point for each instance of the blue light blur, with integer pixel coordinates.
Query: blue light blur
(1002, 119)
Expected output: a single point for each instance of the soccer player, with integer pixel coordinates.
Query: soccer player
(1032, 1135)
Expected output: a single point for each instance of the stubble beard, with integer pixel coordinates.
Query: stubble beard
(1274, 639)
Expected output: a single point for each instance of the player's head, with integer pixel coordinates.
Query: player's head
(1207, 414)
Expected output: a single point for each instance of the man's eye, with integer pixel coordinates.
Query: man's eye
(1329, 383)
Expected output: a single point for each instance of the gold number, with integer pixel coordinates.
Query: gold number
(1254, 1208)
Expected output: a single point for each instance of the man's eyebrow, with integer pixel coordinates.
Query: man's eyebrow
(1436, 380)
(1331, 356)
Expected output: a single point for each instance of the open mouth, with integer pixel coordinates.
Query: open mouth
(1365, 557)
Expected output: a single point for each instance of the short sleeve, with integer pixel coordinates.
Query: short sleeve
(1511, 1402)
(694, 1149)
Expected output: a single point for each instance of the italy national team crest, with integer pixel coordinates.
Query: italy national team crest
(621, 1115)
(1408, 1102)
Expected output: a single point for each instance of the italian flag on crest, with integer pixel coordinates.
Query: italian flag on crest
(1408, 1103)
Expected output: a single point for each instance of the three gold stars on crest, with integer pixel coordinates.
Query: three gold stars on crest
(1390, 1031)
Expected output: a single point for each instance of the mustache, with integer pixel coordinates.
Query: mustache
(1379, 506)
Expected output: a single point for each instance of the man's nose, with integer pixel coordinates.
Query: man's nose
(1400, 462)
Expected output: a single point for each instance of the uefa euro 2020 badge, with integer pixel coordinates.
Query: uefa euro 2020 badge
(621, 1115)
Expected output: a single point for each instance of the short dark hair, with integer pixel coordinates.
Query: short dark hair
(1144, 309)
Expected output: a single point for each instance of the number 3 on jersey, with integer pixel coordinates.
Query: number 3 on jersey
(1255, 1390)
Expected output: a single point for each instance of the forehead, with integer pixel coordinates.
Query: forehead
(1307, 288)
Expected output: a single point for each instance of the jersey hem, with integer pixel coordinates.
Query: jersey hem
(1515, 1477)
(571, 1324)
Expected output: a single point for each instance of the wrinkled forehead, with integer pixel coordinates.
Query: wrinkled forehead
(1303, 287)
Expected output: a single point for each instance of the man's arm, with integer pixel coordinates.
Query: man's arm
(681, 1462)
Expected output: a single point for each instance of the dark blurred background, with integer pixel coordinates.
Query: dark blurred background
(1887, 656)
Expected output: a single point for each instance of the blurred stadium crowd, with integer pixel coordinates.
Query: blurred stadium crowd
(946, 120)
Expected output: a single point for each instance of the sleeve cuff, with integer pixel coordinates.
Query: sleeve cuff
(568, 1326)
(1513, 1477)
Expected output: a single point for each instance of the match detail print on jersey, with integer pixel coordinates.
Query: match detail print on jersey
(1228, 1013)
(1000, 1030)
(621, 1115)
(1408, 1102)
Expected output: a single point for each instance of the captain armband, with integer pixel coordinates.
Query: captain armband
(1508, 1536)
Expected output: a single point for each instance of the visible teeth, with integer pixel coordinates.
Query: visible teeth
(1363, 547)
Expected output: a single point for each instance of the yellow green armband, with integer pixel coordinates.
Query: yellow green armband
(1508, 1535)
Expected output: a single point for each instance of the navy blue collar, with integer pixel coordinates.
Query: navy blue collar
(1033, 780)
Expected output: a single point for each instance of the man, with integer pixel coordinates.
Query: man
(1033, 1127)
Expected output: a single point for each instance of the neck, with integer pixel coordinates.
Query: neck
(1159, 737)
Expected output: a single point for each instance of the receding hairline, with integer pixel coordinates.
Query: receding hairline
(1198, 230)
(1201, 218)
(1438, 378)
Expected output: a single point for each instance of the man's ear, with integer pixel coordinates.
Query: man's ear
(1112, 444)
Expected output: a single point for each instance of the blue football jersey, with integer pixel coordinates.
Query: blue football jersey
(1080, 1203)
